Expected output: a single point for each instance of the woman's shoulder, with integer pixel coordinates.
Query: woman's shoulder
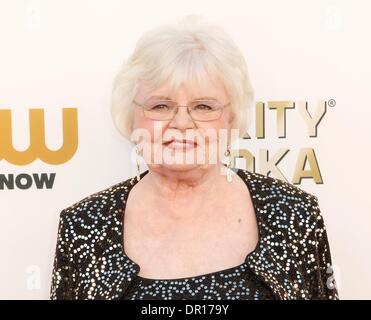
(279, 200)
(270, 187)
(99, 203)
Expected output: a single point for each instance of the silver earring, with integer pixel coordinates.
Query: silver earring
(229, 162)
(138, 164)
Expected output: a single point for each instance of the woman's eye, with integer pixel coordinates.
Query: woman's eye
(203, 107)
(160, 107)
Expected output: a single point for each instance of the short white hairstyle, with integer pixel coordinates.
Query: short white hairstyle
(179, 53)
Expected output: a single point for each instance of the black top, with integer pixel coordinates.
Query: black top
(292, 257)
(236, 283)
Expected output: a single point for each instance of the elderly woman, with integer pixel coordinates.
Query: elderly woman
(190, 227)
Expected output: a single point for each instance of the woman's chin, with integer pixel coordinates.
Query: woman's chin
(178, 167)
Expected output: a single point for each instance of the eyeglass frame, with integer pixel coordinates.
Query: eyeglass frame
(177, 106)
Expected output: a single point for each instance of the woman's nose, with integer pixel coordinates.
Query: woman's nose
(182, 119)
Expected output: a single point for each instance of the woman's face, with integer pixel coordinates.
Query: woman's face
(206, 139)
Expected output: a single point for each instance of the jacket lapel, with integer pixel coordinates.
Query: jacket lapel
(267, 262)
(111, 270)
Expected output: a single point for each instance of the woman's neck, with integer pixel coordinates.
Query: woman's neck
(176, 185)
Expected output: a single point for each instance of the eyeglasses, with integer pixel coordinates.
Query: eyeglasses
(199, 110)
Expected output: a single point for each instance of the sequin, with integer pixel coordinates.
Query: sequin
(292, 258)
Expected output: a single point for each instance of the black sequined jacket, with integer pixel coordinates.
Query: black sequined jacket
(292, 256)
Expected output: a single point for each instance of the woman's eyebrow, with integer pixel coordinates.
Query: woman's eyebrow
(160, 97)
(206, 98)
(168, 98)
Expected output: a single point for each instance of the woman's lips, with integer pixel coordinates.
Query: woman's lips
(180, 144)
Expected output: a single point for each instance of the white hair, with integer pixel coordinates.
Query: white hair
(179, 53)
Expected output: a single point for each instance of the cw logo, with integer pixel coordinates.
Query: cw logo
(37, 148)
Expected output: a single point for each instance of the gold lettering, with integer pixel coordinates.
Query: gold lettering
(307, 155)
(281, 107)
(37, 148)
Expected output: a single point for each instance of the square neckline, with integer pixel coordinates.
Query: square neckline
(239, 173)
(196, 277)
